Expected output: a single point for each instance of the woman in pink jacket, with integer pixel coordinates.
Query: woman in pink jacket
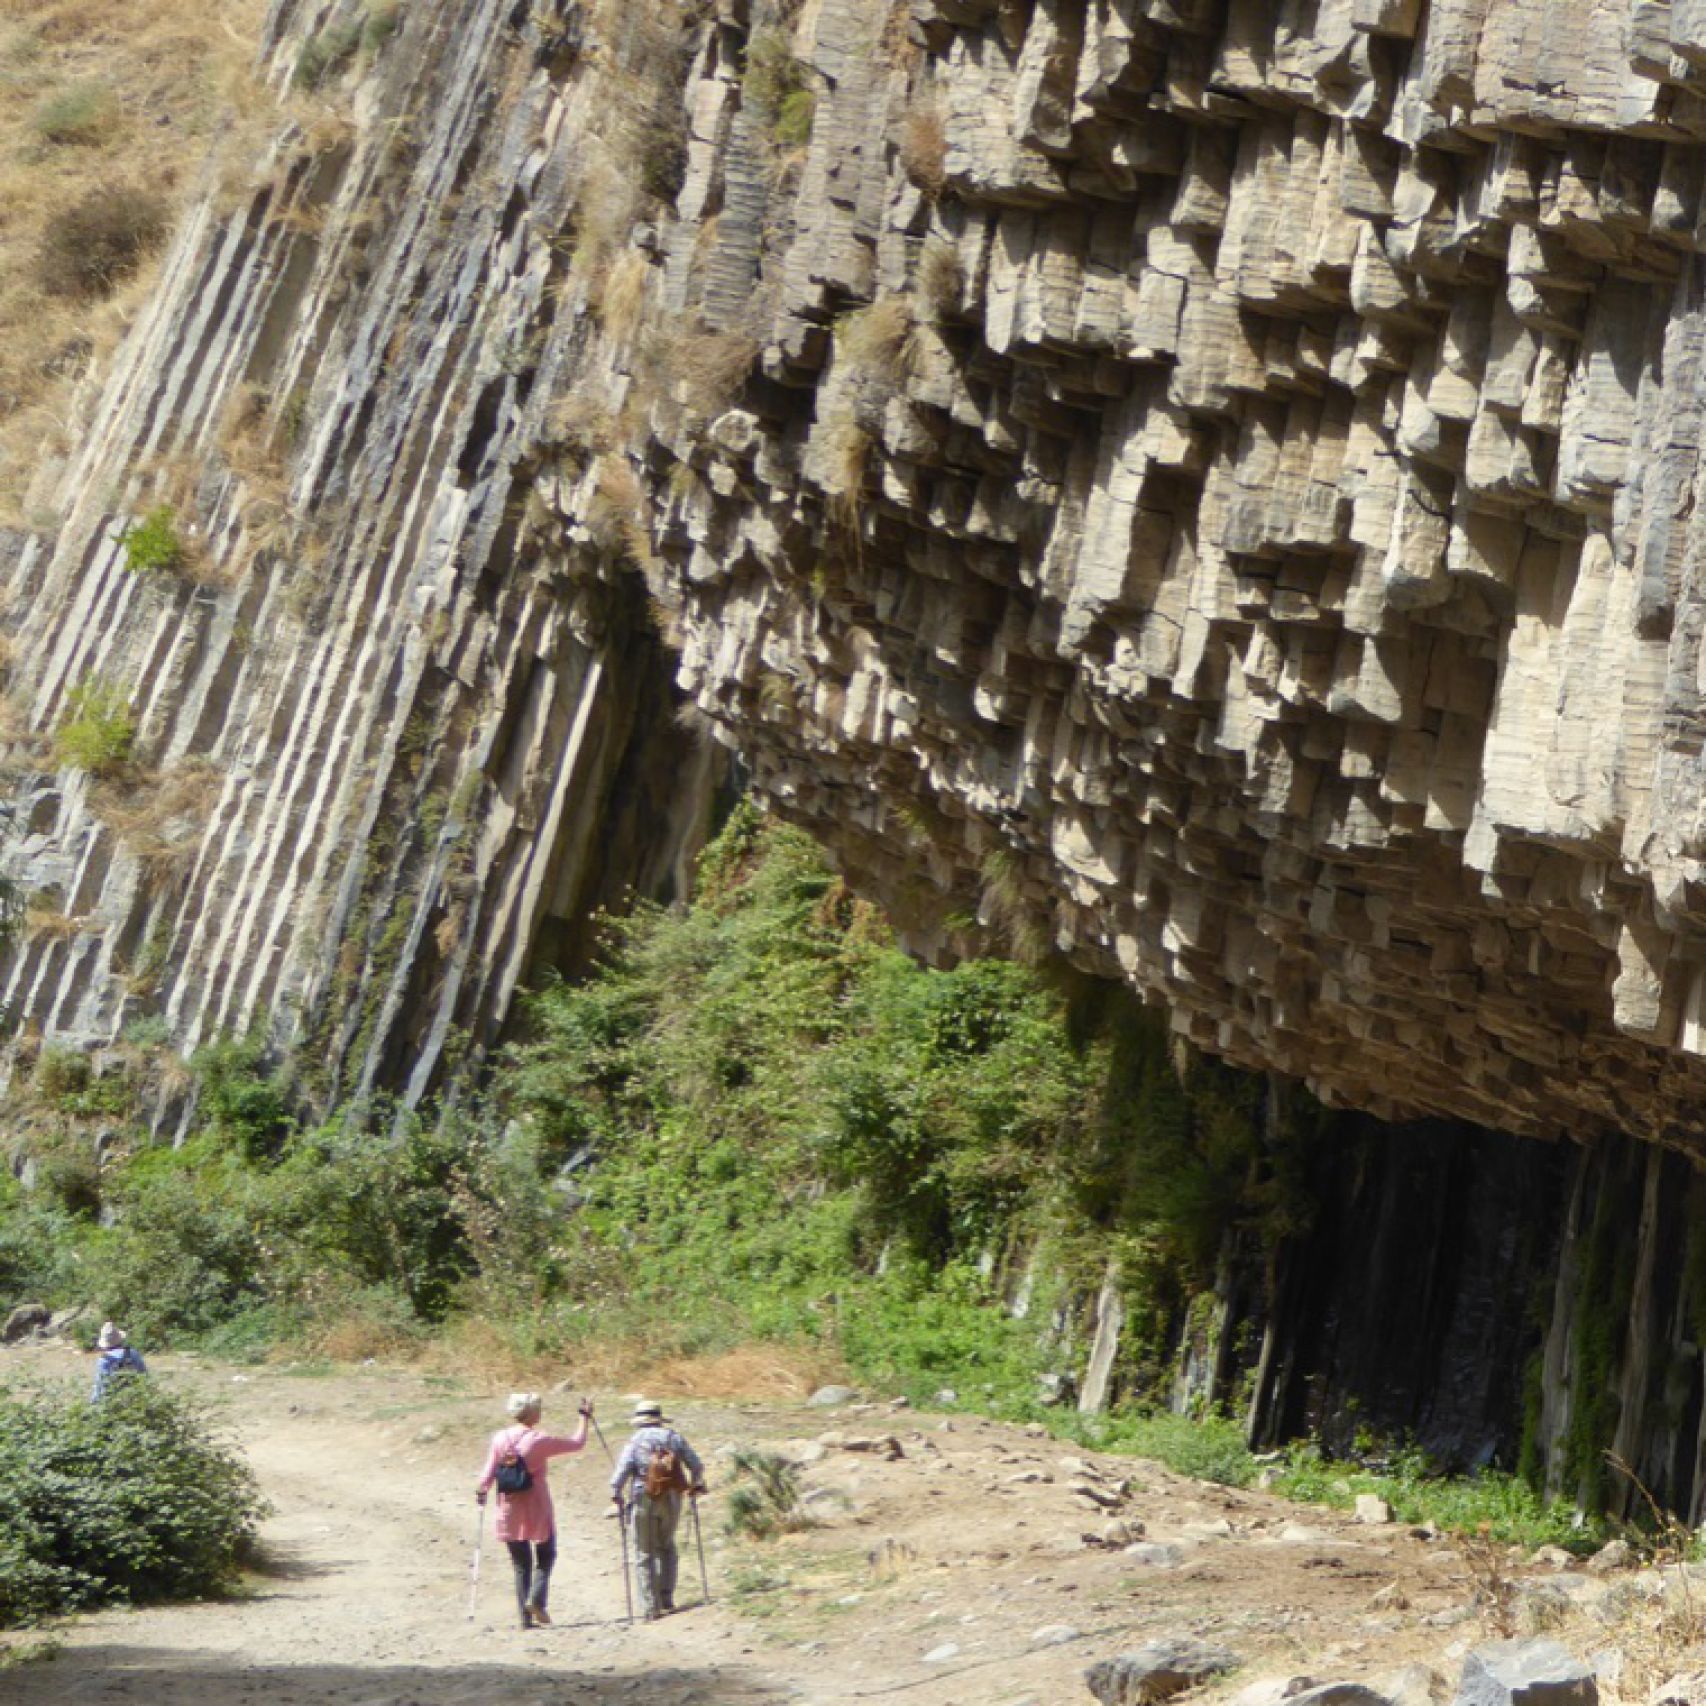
(527, 1523)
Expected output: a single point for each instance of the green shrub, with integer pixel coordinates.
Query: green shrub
(99, 241)
(98, 731)
(131, 1499)
(152, 545)
(764, 1500)
(773, 82)
(241, 1096)
(76, 117)
(793, 123)
(61, 1073)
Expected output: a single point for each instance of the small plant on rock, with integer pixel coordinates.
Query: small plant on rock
(152, 546)
(325, 54)
(98, 732)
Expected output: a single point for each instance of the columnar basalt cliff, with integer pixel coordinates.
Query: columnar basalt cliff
(1204, 487)
(1207, 487)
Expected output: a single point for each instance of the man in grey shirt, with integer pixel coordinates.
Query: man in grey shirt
(653, 1517)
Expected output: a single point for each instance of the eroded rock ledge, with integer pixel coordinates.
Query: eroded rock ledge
(1205, 484)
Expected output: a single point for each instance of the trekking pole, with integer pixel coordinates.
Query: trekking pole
(601, 1439)
(699, 1535)
(474, 1572)
(627, 1576)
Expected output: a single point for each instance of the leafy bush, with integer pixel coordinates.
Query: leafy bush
(131, 1499)
(98, 731)
(242, 1098)
(61, 1073)
(152, 545)
(99, 241)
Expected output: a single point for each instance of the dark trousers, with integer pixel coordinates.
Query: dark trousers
(532, 1573)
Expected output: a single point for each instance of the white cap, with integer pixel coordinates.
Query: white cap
(111, 1338)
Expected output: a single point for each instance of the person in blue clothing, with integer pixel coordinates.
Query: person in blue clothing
(113, 1356)
(655, 1472)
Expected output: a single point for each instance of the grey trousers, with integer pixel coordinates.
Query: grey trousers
(532, 1566)
(652, 1524)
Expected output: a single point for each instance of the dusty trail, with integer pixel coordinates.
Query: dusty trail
(365, 1600)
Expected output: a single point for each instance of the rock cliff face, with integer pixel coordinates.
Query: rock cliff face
(1206, 486)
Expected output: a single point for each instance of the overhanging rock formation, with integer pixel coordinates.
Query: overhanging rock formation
(1205, 484)
(1252, 536)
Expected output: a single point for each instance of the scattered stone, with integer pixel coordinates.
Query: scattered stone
(1553, 1557)
(1157, 1671)
(1216, 1529)
(1687, 1689)
(1101, 1497)
(1414, 1685)
(940, 1655)
(1337, 1694)
(1155, 1554)
(828, 1397)
(26, 1319)
(1372, 1509)
(1301, 1534)
(1525, 1673)
(1028, 1478)
(1035, 1430)
(1392, 1597)
(1121, 1531)
(1078, 1469)
(1607, 1666)
(1054, 1635)
(1450, 1617)
(886, 1446)
(1271, 1690)
(806, 1451)
(430, 1434)
(947, 1398)
(1613, 1555)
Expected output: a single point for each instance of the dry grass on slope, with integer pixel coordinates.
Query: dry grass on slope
(106, 113)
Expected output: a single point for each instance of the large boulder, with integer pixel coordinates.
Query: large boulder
(25, 1320)
(1526, 1673)
(1157, 1671)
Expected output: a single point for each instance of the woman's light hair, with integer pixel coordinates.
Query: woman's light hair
(523, 1404)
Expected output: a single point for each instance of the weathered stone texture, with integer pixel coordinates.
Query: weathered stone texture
(1209, 485)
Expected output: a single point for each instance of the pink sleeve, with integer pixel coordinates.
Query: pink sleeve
(491, 1470)
(556, 1445)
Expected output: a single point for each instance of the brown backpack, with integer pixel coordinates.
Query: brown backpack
(664, 1472)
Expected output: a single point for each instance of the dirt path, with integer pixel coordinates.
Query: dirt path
(953, 1574)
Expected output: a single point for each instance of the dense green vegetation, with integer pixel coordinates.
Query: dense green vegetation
(129, 1499)
(758, 1121)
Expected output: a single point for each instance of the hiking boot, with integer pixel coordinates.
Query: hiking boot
(540, 1616)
